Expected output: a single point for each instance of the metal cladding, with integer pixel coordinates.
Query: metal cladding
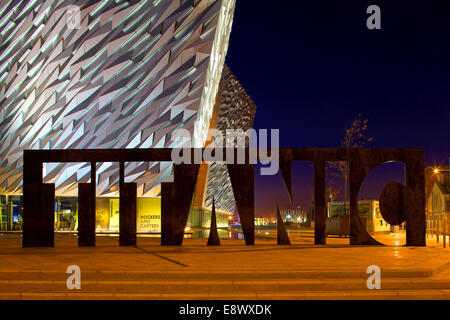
(106, 75)
(235, 110)
(213, 239)
(282, 235)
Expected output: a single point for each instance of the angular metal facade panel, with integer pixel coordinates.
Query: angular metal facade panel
(105, 74)
(235, 110)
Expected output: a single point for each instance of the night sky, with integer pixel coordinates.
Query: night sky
(312, 66)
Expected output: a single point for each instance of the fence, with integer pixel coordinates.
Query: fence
(438, 228)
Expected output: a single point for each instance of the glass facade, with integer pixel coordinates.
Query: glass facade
(201, 218)
(107, 215)
(66, 214)
(10, 213)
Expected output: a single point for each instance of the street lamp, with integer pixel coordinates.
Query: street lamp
(437, 170)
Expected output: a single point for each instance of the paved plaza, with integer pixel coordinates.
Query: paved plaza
(231, 271)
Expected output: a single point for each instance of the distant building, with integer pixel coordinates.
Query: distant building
(261, 221)
(369, 213)
(294, 215)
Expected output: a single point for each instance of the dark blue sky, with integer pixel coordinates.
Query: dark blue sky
(312, 66)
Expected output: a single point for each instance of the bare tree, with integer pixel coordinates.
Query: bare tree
(332, 190)
(354, 137)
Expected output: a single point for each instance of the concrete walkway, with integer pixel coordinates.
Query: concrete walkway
(231, 271)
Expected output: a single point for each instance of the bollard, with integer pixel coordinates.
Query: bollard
(437, 231)
(431, 229)
(443, 231)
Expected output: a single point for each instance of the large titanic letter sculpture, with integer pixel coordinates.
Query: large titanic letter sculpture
(398, 203)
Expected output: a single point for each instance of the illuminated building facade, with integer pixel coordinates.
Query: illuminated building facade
(294, 215)
(261, 221)
(369, 213)
(113, 75)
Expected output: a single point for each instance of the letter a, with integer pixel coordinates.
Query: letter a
(74, 281)
(374, 281)
(374, 21)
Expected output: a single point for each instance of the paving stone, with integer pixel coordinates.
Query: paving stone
(233, 271)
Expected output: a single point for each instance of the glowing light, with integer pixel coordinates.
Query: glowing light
(436, 170)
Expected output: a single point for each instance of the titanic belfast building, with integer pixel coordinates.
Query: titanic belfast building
(116, 75)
